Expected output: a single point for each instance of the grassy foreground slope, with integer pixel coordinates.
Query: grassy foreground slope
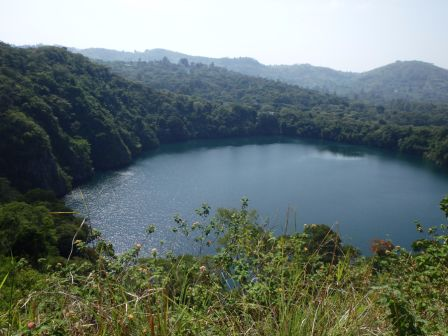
(257, 284)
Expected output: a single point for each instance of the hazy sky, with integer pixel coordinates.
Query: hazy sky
(353, 35)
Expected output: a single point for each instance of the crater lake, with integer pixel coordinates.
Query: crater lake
(360, 192)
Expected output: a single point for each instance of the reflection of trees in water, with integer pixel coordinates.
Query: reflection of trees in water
(188, 145)
(358, 151)
(345, 151)
(323, 147)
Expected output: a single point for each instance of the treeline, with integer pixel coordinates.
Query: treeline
(62, 117)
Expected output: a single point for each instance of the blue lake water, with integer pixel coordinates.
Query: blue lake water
(363, 193)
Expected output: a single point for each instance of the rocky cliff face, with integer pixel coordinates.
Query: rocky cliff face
(26, 144)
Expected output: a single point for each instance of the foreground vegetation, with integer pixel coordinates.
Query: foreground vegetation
(36, 224)
(256, 284)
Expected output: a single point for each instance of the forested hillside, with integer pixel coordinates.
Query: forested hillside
(403, 80)
(63, 116)
(216, 83)
(417, 128)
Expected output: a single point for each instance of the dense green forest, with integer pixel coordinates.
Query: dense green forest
(63, 116)
(403, 80)
(37, 224)
(218, 84)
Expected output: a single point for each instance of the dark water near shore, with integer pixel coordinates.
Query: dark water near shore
(365, 193)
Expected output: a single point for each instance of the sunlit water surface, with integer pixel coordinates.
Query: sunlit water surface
(363, 193)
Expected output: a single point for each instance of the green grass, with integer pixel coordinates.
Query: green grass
(304, 284)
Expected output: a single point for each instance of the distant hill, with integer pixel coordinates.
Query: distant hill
(411, 80)
(408, 80)
(244, 65)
